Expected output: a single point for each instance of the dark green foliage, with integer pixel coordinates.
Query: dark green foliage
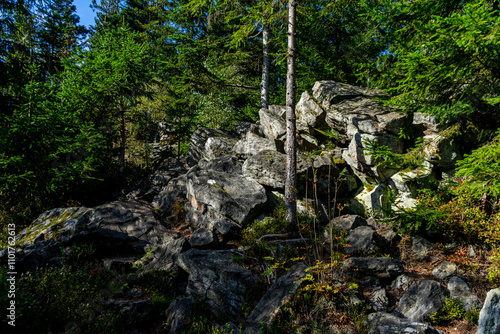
(480, 172)
(441, 57)
(46, 150)
(59, 34)
(454, 310)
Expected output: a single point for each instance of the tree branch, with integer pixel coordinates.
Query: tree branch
(241, 86)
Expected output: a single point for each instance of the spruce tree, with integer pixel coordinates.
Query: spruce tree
(59, 33)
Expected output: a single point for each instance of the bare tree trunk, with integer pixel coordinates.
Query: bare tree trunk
(123, 138)
(291, 154)
(264, 90)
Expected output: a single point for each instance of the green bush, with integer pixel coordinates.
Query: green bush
(494, 270)
(479, 172)
(454, 310)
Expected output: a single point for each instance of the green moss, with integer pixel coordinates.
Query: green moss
(37, 229)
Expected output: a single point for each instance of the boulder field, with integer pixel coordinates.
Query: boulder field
(231, 178)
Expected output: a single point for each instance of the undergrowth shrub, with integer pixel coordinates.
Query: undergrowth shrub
(454, 310)
(458, 215)
(321, 308)
(73, 297)
(277, 224)
(47, 299)
(494, 270)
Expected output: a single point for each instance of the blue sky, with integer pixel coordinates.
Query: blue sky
(84, 11)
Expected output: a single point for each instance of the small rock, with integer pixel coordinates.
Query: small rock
(445, 270)
(421, 246)
(123, 264)
(379, 299)
(348, 222)
(471, 251)
(403, 282)
(380, 267)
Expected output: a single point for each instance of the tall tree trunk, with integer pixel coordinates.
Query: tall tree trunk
(291, 154)
(123, 137)
(264, 90)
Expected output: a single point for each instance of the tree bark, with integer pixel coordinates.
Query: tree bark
(264, 91)
(291, 154)
(123, 137)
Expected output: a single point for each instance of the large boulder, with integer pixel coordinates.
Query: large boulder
(269, 168)
(266, 168)
(359, 158)
(421, 301)
(217, 190)
(355, 115)
(348, 222)
(167, 170)
(329, 93)
(372, 200)
(406, 184)
(217, 281)
(252, 144)
(164, 254)
(116, 227)
(203, 238)
(218, 147)
(441, 149)
(60, 225)
(427, 124)
(129, 223)
(199, 139)
(310, 115)
(171, 196)
(489, 317)
(364, 240)
(272, 122)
